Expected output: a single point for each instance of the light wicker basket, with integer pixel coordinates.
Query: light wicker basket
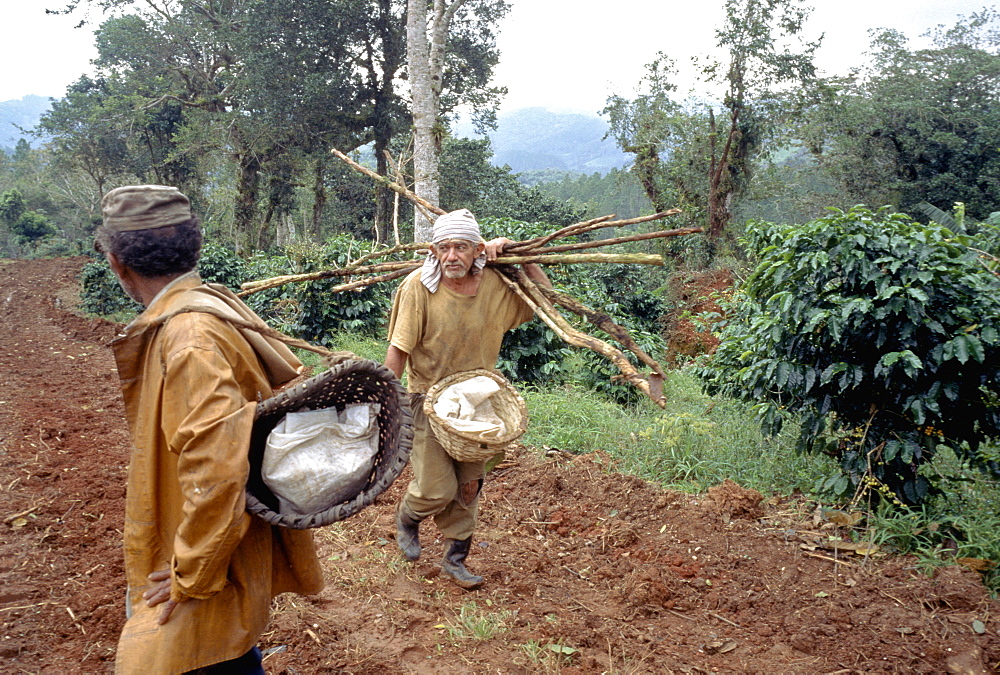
(351, 381)
(469, 447)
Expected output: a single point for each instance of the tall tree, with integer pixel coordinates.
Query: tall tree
(270, 85)
(918, 125)
(440, 33)
(646, 126)
(713, 149)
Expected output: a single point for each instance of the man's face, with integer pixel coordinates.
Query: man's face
(127, 286)
(456, 256)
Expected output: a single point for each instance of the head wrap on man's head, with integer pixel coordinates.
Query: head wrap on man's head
(144, 207)
(460, 224)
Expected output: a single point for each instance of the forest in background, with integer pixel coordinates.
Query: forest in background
(239, 104)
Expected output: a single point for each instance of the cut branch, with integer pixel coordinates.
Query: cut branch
(586, 226)
(573, 258)
(528, 291)
(274, 282)
(605, 323)
(404, 267)
(611, 241)
(395, 187)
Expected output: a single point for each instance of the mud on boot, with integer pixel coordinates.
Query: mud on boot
(408, 532)
(453, 564)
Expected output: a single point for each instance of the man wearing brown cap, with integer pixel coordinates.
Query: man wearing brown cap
(201, 571)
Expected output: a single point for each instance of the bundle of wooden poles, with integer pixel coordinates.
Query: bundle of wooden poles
(544, 301)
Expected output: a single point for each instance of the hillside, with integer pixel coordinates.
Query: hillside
(23, 113)
(535, 138)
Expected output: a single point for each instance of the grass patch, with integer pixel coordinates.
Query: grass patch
(961, 524)
(474, 623)
(549, 657)
(369, 348)
(696, 442)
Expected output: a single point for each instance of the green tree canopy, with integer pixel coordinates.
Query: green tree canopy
(919, 125)
(248, 96)
(711, 150)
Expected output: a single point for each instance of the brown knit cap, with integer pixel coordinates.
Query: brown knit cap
(144, 207)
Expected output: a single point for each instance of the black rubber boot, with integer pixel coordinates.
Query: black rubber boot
(408, 533)
(453, 564)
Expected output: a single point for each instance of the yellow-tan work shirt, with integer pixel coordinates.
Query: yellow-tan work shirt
(191, 385)
(446, 332)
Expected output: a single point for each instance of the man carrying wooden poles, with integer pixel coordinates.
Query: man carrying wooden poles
(449, 316)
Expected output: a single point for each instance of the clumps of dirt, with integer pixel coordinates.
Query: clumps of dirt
(693, 294)
(732, 501)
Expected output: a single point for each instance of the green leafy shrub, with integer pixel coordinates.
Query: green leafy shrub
(882, 333)
(12, 207)
(54, 247)
(322, 314)
(533, 353)
(221, 265)
(100, 292)
(33, 226)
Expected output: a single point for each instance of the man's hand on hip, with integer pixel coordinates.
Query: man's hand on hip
(159, 594)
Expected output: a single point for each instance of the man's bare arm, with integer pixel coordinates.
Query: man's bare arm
(395, 360)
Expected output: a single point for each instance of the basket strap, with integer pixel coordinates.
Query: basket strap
(330, 358)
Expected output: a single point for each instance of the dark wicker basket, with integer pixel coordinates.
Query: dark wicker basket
(351, 381)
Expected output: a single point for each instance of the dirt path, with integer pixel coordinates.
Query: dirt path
(587, 571)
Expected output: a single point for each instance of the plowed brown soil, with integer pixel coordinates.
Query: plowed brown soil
(588, 571)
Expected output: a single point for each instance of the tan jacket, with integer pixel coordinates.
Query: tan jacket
(191, 385)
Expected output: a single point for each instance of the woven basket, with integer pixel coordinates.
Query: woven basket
(351, 381)
(469, 447)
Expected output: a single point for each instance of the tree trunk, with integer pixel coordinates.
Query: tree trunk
(246, 195)
(720, 186)
(383, 195)
(384, 126)
(425, 54)
(319, 198)
(647, 161)
(284, 231)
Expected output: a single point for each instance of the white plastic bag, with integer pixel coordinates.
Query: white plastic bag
(317, 458)
(466, 406)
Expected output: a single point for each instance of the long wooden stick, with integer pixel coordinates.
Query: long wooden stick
(611, 241)
(353, 285)
(571, 258)
(381, 268)
(515, 248)
(587, 226)
(568, 231)
(409, 265)
(382, 180)
(605, 323)
(530, 293)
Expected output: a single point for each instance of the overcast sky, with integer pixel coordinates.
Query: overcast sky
(559, 54)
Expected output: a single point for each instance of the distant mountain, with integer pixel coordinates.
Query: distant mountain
(534, 138)
(25, 114)
(527, 139)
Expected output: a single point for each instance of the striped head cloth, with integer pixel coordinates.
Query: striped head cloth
(460, 224)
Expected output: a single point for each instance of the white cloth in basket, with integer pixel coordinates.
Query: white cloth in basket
(317, 458)
(467, 408)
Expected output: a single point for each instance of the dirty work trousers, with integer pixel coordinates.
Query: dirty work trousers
(437, 486)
